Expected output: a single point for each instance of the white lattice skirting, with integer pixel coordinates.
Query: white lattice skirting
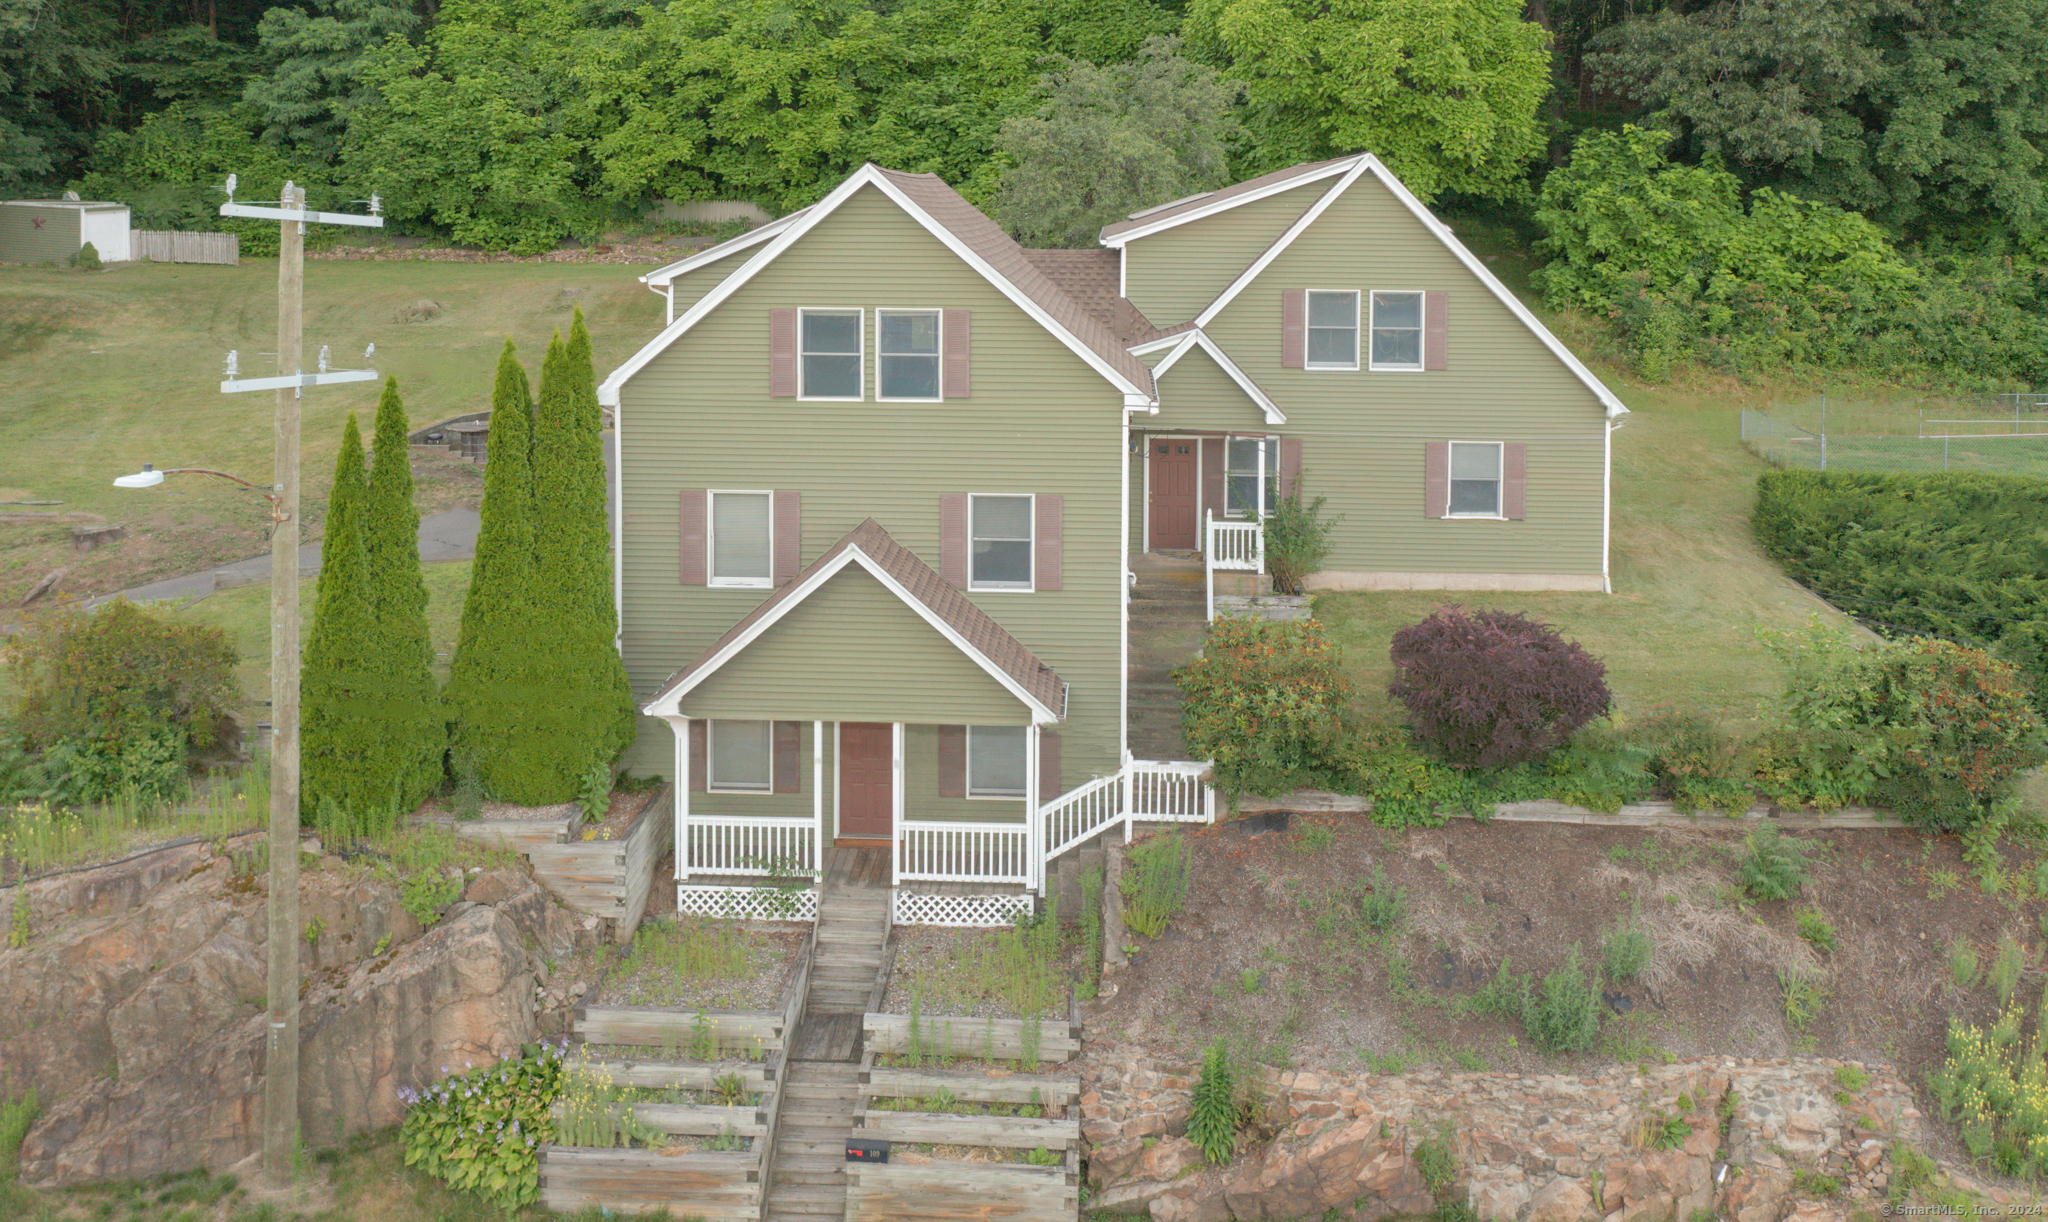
(747, 903)
(973, 911)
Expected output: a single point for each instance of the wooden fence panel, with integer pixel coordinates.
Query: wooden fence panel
(941, 1191)
(170, 246)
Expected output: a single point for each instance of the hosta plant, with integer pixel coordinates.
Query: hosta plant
(481, 1130)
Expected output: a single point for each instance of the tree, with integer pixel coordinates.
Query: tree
(1494, 688)
(590, 703)
(1444, 91)
(493, 700)
(1108, 141)
(342, 683)
(314, 78)
(414, 736)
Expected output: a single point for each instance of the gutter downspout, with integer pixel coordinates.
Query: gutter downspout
(1123, 592)
(1607, 503)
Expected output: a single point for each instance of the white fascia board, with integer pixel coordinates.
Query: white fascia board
(712, 254)
(669, 703)
(1154, 345)
(867, 175)
(1258, 395)
(1300, 226)
(1224, 205)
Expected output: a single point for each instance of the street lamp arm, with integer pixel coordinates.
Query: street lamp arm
(277, 513)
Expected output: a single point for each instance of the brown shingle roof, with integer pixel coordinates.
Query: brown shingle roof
(952, 608)
(1193, 202)
(987, 239)
(1090, 278)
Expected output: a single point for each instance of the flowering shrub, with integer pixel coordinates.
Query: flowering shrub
(481, 1130)
(1494, 687)
(1998, 1093)
(1267, 702)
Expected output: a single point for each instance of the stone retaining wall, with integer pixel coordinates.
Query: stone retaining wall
(1545, 1148)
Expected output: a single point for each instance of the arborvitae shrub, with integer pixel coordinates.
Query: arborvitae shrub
(1494, 687)
(1212, 1122)
(415, 729)
(343, 682)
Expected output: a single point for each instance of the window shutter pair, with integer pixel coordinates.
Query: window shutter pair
(693, 534)
(1436, 479)
(1436, 328)
(955, 380)
(953, 763)
(1048, 541)
(786, 772)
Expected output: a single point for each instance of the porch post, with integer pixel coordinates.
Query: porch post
(896, 803)
(1034, 844)
(1209, 566)
(818, 801)
(681, 726)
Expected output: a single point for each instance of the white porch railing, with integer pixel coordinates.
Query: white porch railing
(1231, 546)
(738, 844)
(963, 852)
(1079, 814)
(1142, 791)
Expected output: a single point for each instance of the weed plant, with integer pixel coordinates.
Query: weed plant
(36, 838)
(16, 1115)
(1814, 927)
(1563, 1013)
(1155, 883)
(2006, 966)
(1626, 950)
(1212, 1120)
(1381, 905)
(1803, 999)
(669, 958)
(1437, 1163)
(1091, 933)
(1963, 963)
(1773, 867)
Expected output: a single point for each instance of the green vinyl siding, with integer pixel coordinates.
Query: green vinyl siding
(1196, 394)
(687, 289)
(853, 651)
(1040, 420)
(1174, 274)
(1362, 433)
(799, 805)
(921, 785)
(22, 242)
(1137, 498)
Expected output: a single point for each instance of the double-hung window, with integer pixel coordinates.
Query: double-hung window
(1332, 329)
(1000, 542)
(1251, 472)
(742, 539)
(907, 354)
(995, 761)
(829, 354)
(740, 755)
(1475, 479)
(1396, 330)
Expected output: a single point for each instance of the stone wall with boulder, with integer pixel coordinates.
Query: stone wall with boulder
(136, 1010)
(1721, 1137)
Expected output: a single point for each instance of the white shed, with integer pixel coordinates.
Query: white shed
(52, 230)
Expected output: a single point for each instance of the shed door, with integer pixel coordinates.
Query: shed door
(1173, 494)
(867, 792)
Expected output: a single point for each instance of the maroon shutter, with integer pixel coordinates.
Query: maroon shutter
(1290, 466)
(1048, 766)
(700, 781)
(952, 761)
(1436, 479)
(953, 538)
(693, 566)
(789, 535)
(1514, 478)
(1212, 480)
(1436, 331)
(782, 354)
(1293, 327)
(959, 330)
(789, 748)
(1048, 542)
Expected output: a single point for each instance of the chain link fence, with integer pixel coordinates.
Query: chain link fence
(1997, 435)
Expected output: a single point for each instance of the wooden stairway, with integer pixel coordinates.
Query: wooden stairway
(820, 1088)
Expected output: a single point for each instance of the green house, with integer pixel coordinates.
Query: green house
(887, 481)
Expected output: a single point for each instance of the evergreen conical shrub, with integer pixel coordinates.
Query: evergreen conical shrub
(341, 682)
(493, 699)
(415, 731)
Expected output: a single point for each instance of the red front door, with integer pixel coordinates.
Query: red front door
(1173, 494)
(867, 790)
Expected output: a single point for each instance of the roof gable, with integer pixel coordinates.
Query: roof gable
(1198, 355)
(1195, 207)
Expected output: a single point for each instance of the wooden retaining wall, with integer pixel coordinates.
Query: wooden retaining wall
(968, 1038)
(170, 246)
(978, 1085)
(754, 1031)
(715, 1185)
(941, 1191)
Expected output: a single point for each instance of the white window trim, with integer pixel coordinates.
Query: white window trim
(939, 357)
(1500, 481)
(977, 587)
(711, 784)
(1421, 334)
(967, 767)
(711, 577)
(1265, 439)
(1357, 330)
(860, 332)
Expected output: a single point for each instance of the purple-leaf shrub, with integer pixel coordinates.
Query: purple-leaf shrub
(1494, 687)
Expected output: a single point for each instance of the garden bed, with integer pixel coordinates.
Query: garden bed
(692, 963)
(980, 974)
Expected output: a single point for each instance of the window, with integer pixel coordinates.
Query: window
(995, 761)
(907, 354)
(1251, 476)
(741, 540)
(1000, 540)
(830, 356)
(1397, 330)
(1475, 479)
(740, 754)
(1333, 330)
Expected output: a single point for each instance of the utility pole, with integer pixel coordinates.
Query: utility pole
(281, 1047)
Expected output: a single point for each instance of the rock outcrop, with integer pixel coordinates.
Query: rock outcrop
(137, 1009)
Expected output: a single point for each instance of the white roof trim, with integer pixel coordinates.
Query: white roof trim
(1154, 345)
(867, 175)
(669, 703)
(1223, 205)
(1196, 339)
(1611, 402)
(712, 254)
